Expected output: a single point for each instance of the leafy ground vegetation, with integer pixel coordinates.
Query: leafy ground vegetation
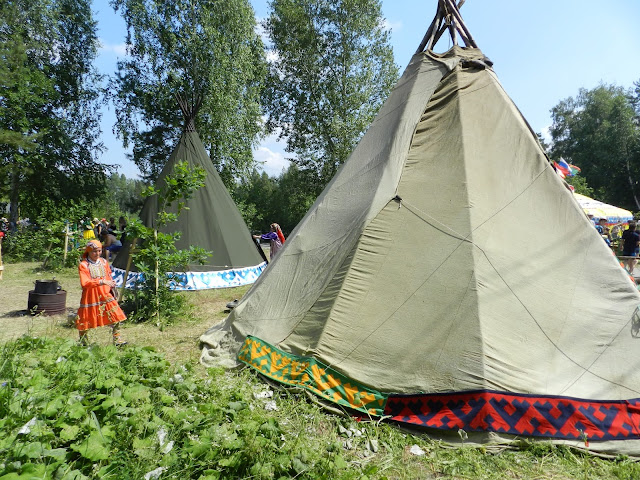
(151, 411)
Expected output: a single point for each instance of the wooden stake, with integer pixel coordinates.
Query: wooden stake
(1, 266)
(155, 236)
(66, 244)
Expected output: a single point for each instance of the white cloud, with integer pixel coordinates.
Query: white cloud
(119, 49)
(546, 134)
(273, 162)
(259, 29)
(396, 26)
(273, 57)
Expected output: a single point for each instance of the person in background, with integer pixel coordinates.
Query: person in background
(603, 230)
(275, 237)
(631, 246)
(87, 229)
(98, 306)
(97, 228)
(110, 244)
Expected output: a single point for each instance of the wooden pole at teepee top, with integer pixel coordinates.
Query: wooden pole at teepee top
(462, 27)
(430, 31)
(447, 18)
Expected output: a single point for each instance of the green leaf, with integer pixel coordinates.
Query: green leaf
(94, 447)
(111, 402)
(230, 461)
(74, 475)
(298, 466)
(57, 453)
(199, 448)
(76, 410)
(53, 407)
(136, 393)
(28, 471)
(237, 406)
(109, 471)
(29, 450)
(233, 443)
(144, 447)
(340, 462)
(371, 470)
(210, 475)
(112, 382)
(69, 432)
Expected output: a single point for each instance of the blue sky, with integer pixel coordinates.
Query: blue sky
(543, 52)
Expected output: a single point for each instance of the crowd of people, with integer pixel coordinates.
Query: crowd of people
(110, 234)
(99, 301)
(624, 241)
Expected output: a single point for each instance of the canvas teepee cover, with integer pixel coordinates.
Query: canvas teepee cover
(446, 278)
(212, 222)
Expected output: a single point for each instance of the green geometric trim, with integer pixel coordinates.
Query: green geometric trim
(312, 375)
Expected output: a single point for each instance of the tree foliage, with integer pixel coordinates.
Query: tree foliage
(205, 50)
(49, 98)
(331, 69)
(123, 195)
(579, 184)
(599, 132)
(284, 199)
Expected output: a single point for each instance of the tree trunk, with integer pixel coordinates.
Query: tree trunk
(631, 184)
(14, 212)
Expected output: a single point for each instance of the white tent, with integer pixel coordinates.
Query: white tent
(598, 209)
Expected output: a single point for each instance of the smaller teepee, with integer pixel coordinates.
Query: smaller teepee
(212, 221)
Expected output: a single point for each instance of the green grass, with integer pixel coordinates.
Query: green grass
(100, 412)
(68, 412)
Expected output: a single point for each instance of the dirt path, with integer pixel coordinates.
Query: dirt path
(179, 343)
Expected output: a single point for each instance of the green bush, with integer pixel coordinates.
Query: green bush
(155, 254)
(43, 242)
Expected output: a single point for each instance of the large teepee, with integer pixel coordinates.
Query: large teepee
(447, 278)
(212, 221)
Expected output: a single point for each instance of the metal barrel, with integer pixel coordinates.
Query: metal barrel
(47, 303)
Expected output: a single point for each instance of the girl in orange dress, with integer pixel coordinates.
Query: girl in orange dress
(98, 307)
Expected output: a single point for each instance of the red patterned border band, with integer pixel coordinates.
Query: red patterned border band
(520, 414)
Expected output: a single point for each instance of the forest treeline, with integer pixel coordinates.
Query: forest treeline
(314, 72)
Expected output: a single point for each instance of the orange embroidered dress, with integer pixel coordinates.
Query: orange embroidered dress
(97, 306)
